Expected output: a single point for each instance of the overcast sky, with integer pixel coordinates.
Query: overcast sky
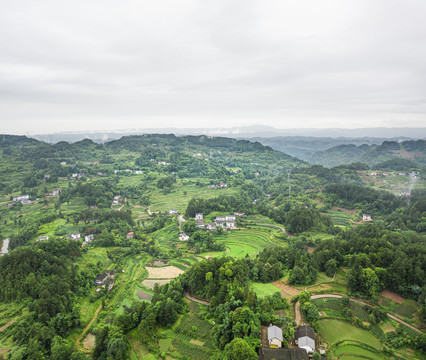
(105, 65)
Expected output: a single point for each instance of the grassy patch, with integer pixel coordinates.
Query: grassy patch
(333, 331)
(356, 350)
(263, 290)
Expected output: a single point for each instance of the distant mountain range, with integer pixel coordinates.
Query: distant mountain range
(243, 132)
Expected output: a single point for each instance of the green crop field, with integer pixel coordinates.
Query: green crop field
(340, 218)
(333, 331)
(349, 350)
(239, 243)
(263, 290)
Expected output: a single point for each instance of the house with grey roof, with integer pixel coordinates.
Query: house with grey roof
(282, 354)
(305, 338)
(275, 336)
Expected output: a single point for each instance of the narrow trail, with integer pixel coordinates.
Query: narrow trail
(124, 203)
(197, 300)
(149, 211)
(78, 341)
(282, 228)
(180, 220)
(5, 326)
(319, 283)
(298, 314)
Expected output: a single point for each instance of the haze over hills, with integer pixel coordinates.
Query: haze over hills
(245, 132)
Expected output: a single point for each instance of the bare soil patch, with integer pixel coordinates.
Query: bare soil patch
(5, 326)
(286, 290)
(167, 272)
(392, 296)
(4, 351)
(347, 211)
(310, 250)
(196, 342)
(89, 341)
(158, 262)
(150, 283)
(143, 295)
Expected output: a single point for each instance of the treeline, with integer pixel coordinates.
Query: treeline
(46, 279)
(378, 259)
(369, 200)
(221, 203)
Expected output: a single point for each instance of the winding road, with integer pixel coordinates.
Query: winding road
(282, 228)
(299, 318)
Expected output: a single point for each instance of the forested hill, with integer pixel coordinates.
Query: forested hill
(413, 150)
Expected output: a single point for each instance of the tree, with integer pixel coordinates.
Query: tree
(238, 349)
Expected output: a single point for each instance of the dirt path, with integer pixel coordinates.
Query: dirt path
(77, 342)
(197, 300)
(298, 314)
(324, 282)
(149, 211)
(4, 327)
(124, 203)
(274, 226)
(181, 220)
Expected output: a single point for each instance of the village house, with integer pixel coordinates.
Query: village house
(275, 336)
(305, 338)
(230, 218)
(238, 214)
(220, 218)
(211, 226)
(183, 237)
(173, 212)
(46, 177)
(74, 236)
(55, 192)
(130, 235)
(103, 277)
(199, 217)
(89, 238)
(42, 238)
(199, 224)
(63, 163)
(138, 172)
(22, 198)
(366, 217)
(282, 354)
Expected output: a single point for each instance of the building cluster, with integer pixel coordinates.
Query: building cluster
(115, 200)
(301, 347)
(75, 236)
(88, 239)
(77, 175)
(55, 192)
(104, 280)
(366, 217)
(131, 171)
(220, 185)
(24, 199)
(225, 222)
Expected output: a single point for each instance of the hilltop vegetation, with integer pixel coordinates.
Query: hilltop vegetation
(298, 226)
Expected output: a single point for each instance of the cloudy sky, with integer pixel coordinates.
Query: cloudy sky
(105, 65)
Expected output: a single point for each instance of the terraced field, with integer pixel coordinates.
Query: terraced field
(352, 350)
(239, 243)
(340, 218)
(333, 331)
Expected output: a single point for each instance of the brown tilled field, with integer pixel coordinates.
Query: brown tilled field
(143, 295)
(150, 283)
(286, 290)
(89, 341)
(167, 272)
(392, 296)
